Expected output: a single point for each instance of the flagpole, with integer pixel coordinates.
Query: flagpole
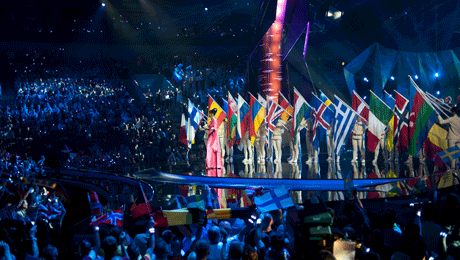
(332, 103)
(360, 99)
(145, 200)
(437, 105)
(389, 95)
(394, 113)
(216, 103)
(321, 101)
(421, 92)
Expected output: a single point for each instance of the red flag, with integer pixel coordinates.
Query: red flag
(159, 218)
(141, 210)
(402, 121)
(183, 130)
(361, 107)
(114, 218)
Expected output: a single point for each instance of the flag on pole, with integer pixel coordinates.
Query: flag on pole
(323, 118)
(262, 100)
(439, 106)
(243, 117)
(258, 113)
(183, 128)
(220, 115)
(273, 115)
(360, 107)
(114, 218)
(278, 198)
(328, 102)
(232, 120)
(419, 115)
(390, 141)
(379, 117)
(401, 121)
(345, 119)
(288, 109)
(194, 119)
(450, 154)
(301, 108)
(435, 143)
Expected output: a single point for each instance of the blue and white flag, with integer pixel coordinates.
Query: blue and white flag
(345, 119)
(193, 122)
(278, 198)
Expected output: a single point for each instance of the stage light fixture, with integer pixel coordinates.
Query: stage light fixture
(416, 76)
(366, 79)
(206, 9)
(103, 4)
(334, 15)
(364, 97)
(392, 78)
(436, 74)
(438, 92)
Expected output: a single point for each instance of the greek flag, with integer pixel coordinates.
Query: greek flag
(345, 119)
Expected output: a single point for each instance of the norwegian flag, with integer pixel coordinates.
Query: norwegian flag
(361, 107)
(48, 211)
(274, 113)
(96, 206)
(114, 218)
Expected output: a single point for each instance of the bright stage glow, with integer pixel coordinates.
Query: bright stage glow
(206, 9)
(366, 79)
(103, 4)
(436, 74)
(364, 97)
(416, 76)
(438, 92)
(392, 78)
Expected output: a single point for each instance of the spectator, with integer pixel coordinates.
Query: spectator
(202, 249)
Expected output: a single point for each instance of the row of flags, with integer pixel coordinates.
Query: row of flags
(265, 199)
(407, 124)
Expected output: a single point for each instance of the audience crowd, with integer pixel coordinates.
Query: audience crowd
(31, 229)
(91, 122)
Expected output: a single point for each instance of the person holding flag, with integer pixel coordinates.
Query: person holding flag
(453, 135)
(243, 125)
(213, 151)
(357, 141)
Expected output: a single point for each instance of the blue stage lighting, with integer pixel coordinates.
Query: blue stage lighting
(436, 74)
(438, 92)
(392, 78)
(366, 79)
(416, 76)
(364, 97)
(103, 4)
(206, 9)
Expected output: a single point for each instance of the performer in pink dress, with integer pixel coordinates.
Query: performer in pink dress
(213, 155)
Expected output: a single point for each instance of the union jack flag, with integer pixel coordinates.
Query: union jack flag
(274, 113)
(114, 218)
